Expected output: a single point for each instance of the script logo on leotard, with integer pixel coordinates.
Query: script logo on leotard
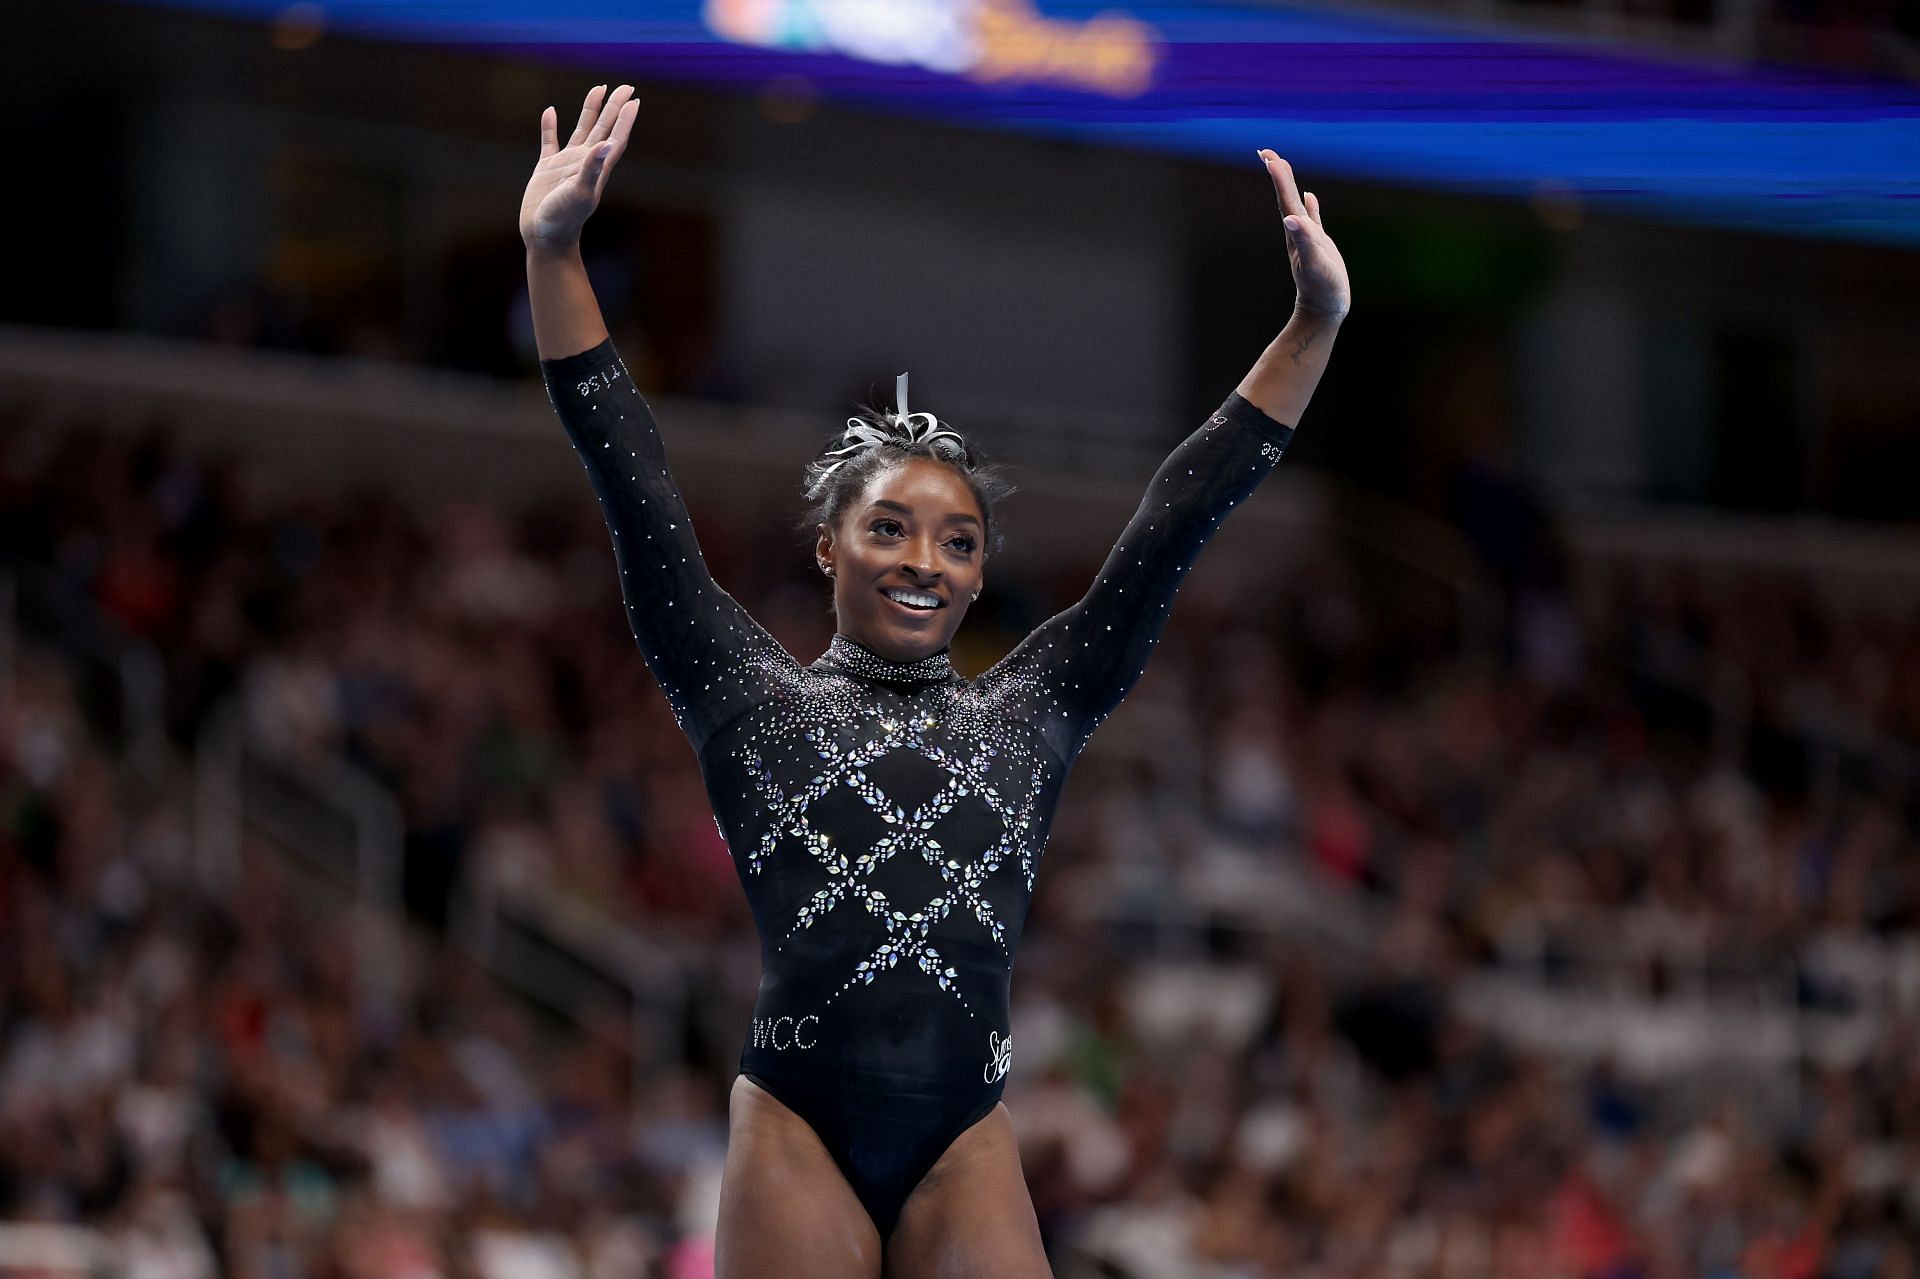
(1002, 1053)
(600, 381)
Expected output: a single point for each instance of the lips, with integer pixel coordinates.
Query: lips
(915, 610)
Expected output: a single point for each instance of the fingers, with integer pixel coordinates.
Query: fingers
(1283, 186)
(589, 112)
(600, 161)
(615, 102)
(595, 168)
(1313, 209)
(600, 113)
(549, 132)
(623, 125)
(1304, 233)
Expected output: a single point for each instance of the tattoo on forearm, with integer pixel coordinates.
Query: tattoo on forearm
(1304, 341)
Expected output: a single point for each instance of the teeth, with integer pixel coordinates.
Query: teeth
(916, 598)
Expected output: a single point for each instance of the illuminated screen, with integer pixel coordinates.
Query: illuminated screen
(1433, 103)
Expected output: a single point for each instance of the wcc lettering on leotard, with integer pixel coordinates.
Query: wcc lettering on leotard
(886, 819)
(782, 1033)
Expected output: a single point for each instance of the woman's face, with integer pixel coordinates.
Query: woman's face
(914, 536)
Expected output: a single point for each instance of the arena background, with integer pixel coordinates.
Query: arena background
(1507, 865)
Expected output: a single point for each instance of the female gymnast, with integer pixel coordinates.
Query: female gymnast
(886, 815)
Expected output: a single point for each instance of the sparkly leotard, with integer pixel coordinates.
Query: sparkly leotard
(886, 818)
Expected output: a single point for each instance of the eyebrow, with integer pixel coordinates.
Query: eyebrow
(908, 510)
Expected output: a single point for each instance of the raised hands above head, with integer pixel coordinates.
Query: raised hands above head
(567, 181)
(1319, 273)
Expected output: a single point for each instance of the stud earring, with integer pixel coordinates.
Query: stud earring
(827, 569)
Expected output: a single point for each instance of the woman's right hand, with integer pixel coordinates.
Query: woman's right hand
(567, 181)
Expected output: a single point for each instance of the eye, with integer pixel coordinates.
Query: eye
(965, 541)
(881, 526)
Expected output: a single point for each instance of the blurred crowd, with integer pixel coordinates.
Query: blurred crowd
(192, 1073)
(188, 1063)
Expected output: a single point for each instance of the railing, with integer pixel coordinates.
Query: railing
(336, 820)
(125, 688)
(579, 961)
(345, 825)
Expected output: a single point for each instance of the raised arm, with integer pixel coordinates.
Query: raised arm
(562, 193)
(712, 660)
(1282, 380)
(1078, 665)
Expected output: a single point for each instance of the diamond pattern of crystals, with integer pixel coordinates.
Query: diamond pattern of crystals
(908, 834)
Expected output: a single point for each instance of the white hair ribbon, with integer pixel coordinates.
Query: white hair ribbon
(907, 428)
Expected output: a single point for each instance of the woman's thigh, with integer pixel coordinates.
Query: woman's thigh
(971, 1216)
(785, 1208)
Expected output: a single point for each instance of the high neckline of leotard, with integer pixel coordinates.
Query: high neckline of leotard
(854, 659)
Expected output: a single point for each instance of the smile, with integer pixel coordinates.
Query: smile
(915, 601)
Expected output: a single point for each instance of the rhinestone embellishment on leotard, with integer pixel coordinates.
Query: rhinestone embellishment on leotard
(904, 833)
(863, 663)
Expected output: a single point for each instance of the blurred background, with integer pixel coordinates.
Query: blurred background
(1507, 866)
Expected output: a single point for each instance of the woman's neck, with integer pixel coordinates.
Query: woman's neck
(881, 650)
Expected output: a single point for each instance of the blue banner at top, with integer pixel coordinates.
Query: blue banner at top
(1392, 99)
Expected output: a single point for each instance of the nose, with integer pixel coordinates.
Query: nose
(918, 560)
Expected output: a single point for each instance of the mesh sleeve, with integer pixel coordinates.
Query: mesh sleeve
(712, 660)
(1078, 665)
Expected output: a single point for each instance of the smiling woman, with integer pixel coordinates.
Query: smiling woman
(886, 816)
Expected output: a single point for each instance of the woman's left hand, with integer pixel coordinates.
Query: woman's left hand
(1319, 274)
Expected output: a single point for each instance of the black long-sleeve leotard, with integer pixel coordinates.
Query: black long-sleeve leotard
(887, 818)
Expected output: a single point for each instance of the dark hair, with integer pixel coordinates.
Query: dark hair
(874, 440)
